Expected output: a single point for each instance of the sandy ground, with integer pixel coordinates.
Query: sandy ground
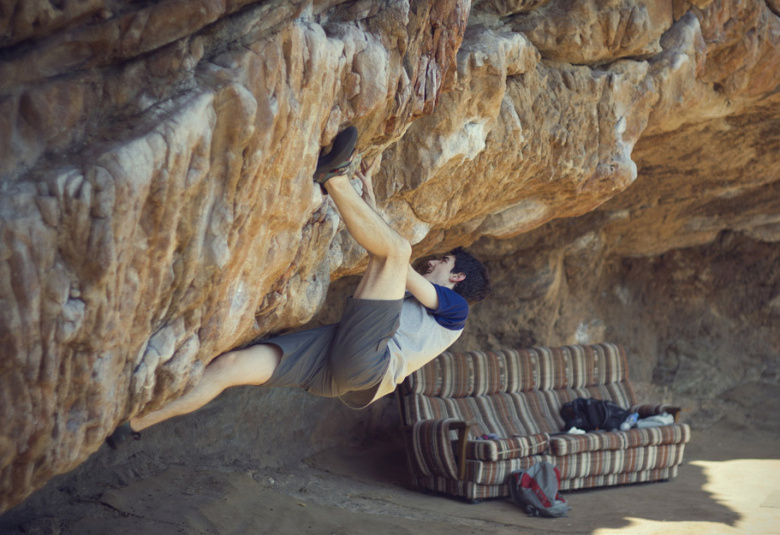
(729, 484)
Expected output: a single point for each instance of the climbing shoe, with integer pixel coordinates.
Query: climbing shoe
(339, 159)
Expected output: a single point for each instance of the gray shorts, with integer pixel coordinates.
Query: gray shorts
(347, 359)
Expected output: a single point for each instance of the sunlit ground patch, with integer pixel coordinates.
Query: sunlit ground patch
(749, 487)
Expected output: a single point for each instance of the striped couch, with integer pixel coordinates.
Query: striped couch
(453, 401)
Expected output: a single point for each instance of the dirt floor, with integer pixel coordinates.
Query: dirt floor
(729, 484)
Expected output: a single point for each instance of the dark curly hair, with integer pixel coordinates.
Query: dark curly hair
(476, 286)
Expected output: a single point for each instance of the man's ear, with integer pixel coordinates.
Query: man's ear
(457, 277)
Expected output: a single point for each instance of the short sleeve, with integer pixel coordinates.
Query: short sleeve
(453, 309)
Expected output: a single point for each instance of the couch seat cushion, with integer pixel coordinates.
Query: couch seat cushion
(587, 464)
(507, 448)
(620, 440)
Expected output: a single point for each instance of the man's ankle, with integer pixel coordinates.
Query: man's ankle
(338, 182)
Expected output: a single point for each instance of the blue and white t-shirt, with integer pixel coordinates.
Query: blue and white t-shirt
(453, 309)
(423, 335)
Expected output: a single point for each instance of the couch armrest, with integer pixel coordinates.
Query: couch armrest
(674, 411)
(463, 441)
(651, 410)
(431, 447)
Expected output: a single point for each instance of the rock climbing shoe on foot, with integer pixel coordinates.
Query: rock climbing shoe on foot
(338, 160)
(120, 435)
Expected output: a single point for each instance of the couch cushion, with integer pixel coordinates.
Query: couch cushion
(511, 414)
(623, 478)
(478, 373)
(509, 448)
(620, 440)
(586, 464)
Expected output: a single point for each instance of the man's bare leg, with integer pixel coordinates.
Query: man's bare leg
(385, 277)
(253, 365)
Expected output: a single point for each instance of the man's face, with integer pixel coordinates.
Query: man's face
(439, 270)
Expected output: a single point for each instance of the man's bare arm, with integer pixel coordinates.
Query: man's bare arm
(422, 289)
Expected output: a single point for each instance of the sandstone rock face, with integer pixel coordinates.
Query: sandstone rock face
(157, 207)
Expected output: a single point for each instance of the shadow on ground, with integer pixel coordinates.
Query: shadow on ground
(727, 485)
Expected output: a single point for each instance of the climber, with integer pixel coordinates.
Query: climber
(396, 321)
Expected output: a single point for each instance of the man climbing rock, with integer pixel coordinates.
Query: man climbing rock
(397, 320)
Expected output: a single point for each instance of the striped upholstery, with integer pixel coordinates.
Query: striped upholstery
(620, 440)
(511, 448)
(598, 463)
(432, 449)
(517, 395)
(511, 414)
(473, 491)
(455, 375)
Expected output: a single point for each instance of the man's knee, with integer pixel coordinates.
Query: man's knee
(253, 365)
(399, 251)
(222, 370)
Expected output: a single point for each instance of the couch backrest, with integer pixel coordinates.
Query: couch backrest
(512, 392)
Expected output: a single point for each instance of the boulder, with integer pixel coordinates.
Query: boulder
(157, 207)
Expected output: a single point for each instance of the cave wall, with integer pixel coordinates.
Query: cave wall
(156, 204)
(699, 324)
